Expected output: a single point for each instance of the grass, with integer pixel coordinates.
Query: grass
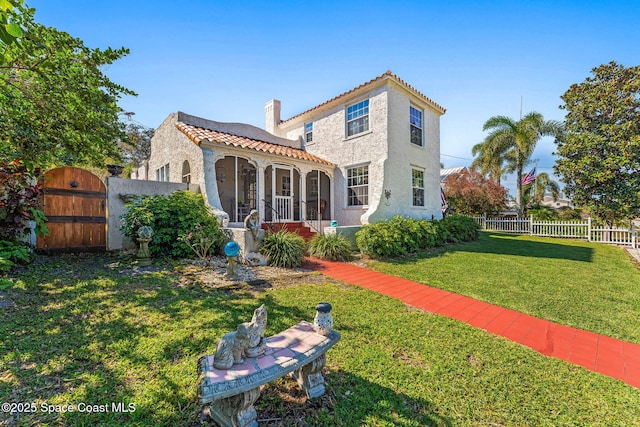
(86, 329)
(586, 285)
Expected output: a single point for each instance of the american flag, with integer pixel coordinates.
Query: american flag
(530, 177)
(443, 198)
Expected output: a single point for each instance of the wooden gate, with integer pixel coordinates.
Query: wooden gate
(75, 206)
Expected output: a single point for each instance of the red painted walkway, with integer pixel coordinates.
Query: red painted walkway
(598, 353)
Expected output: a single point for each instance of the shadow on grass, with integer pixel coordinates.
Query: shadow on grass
(509, 244)
(80, 332)
(349, 400)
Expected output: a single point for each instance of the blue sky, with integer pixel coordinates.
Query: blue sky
(223, 60)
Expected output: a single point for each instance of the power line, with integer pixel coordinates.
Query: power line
(455, 157)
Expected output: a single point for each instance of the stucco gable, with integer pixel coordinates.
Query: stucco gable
(381, 79)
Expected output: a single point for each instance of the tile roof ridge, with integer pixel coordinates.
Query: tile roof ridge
(180, 125)
(386, 74)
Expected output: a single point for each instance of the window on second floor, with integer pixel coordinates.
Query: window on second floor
(417, 186)
(415, 121)
(308, 132)
(358, 118)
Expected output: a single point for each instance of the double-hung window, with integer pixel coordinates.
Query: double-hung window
(308, 132)
(358, 118)
(415, 122)
(417, 186)
(162, 174)
(358, 186)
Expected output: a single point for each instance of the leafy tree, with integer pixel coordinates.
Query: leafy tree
(470, 193)
(599, 154)
(514, 143)
(9, 29)
(137, 147)
(57, 107)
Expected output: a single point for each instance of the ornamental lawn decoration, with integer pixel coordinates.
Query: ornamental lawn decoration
(231, 250)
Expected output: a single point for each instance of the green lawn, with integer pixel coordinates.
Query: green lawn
(586, 285)
(88, 330)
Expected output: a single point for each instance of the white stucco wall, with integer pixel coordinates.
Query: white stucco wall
(119, 189)
(386, 148)
(405, 156)
(367, 148)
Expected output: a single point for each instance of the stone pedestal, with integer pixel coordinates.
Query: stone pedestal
(249, 247)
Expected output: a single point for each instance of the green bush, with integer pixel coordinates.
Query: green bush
(334, 247)
(12, 253)
(283, 249)
(172, 217)
(399, 236)
(20, 200)
(461, 228)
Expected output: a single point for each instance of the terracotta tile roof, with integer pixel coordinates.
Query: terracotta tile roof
(198, 134)
(386, 75)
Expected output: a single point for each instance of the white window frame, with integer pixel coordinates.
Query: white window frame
(417, 188)
(313, 184)
(358, 183)
(308, 132)
(162, 174)
(186, 177)
(416, 123)
(357, 114)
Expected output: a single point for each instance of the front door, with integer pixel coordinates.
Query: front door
(282, 185)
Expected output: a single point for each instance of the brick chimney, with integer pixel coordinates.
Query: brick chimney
(272, 115)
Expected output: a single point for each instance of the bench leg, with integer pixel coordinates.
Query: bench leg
(236, 411)
(310, 377)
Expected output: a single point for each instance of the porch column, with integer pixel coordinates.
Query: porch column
(304, 171)
(261, 165)
(210, 190)
(332, 201)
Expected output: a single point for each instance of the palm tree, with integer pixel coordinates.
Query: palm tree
(487, 161)
(534, 193)
(514, 142)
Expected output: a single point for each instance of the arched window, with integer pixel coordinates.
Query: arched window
(186, 172)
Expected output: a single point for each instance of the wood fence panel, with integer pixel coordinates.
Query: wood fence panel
(75, 206)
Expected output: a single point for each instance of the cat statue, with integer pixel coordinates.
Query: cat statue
(232, 346)
(257, 342)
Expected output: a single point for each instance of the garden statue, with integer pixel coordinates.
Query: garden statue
(231, 250)
(252, 223)
(232, 346)
(257, 342)
(323, 321)
(145, 234)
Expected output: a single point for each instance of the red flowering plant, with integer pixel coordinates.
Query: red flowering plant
(20, 200)
(201, 240)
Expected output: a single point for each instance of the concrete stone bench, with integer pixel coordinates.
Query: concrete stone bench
(230, 393)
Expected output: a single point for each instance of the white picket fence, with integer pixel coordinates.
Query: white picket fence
(565, 229)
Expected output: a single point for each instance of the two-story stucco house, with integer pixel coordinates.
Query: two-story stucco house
(363, 156)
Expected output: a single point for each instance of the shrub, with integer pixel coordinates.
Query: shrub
(202, 242)
(283, 249)
(334, 247)
(381, 239)
(20, 197)
(172, 217)
(399, 236)
(433, 233)
(461, 228)
(12, 253)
